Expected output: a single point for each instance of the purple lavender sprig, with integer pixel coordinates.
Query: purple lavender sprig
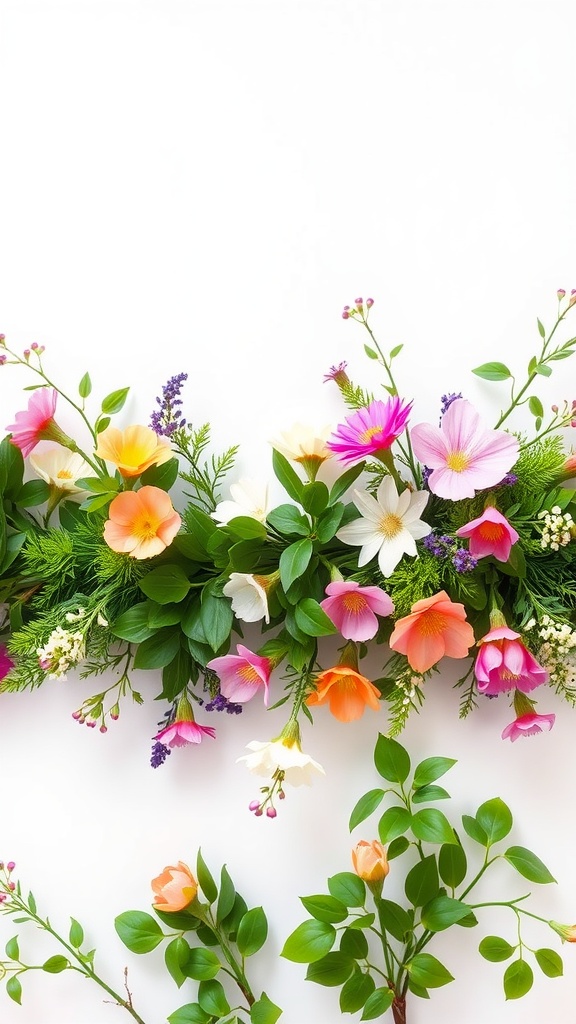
(168, 418)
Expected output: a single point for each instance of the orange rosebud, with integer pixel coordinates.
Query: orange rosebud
(133, 450)
(567, 932)
(369, 860)
(346, 691)
(175, 888)
(435, 629)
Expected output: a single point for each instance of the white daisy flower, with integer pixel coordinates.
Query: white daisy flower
(249, 499)
(389, 525)
(60, 468)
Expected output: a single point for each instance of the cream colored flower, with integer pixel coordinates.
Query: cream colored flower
(248, 596)
(266, 759)
(60, 468)
(305, 445)
(249, 499)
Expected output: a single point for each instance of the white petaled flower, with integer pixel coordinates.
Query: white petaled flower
(249, 499)
(389, 525)
(60, 468)
(303, 443)
(298, 768)
(248, 596)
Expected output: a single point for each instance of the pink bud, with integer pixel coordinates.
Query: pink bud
(103, 728)
(11, 886)
(554, 408)
(369, 302)
(253, 805)
(258, 813)
(271, 812)
(345, 315)
(358, 301)
(10, 865)
(561, 293)
(3, 897)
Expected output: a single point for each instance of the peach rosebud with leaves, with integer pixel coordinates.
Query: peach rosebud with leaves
(175, 888)
(370, 861)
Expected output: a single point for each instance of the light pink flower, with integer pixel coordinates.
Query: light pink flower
(490, 534)
(370, 430)
(353, 609)
(528, 725)
(504, 663)
(6, 663)
(36, 423)
(184, 731)
(242, 675)
(462, 453)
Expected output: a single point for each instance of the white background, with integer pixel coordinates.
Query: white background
(201, 186)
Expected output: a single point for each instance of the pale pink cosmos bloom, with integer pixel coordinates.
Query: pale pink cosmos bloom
(504, 663)
(34, 423)
(6, 663)
(528, 725)
(371, 430)
(489, 534)
(242, 675)
(184, 731)
(353, 609)
(462, 453)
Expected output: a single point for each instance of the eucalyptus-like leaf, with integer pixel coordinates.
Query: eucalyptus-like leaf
(427, 971)
(333, 969)
(366, 806)
(391, 759)
(495, 818)
(518, 979)
(549, 962)
(309, 942)
(528, 865)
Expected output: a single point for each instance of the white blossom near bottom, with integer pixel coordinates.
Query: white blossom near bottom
(268, 758)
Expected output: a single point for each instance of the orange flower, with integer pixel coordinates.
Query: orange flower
(175, 888)
(567, 932)
(133, 450)
(346, 691)
(369, 860)
(436, 628)
(142, 523)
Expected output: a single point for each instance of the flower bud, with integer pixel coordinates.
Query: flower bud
(567, 932)
(175, 888)
(369, 860)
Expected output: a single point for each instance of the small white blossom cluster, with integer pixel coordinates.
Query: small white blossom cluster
(62, 650)
(556, 649)
(557, 528)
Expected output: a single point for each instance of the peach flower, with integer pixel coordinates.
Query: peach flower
(369, 860)
(133, 450)
(346, 691)
(436, 628)
(175, 888)
(142, 523)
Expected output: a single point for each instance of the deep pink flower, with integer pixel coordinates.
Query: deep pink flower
(6, 663)
(184, 731)
(36, 423)
(241, 675)
(353, 609)
(462, 453)
(528, 725)
(490, 534)
(504, 663)
(370, 430)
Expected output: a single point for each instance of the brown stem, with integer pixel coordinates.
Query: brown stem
(399, 1010)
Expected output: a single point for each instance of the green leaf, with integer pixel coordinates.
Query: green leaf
(76, 936)
(133, 625)
(191, 1013)
(32, 903)
(138, 931)
(348, 888)
(114, 402)
(354, 943)
(216, 619)
(528, 865)
(163, 476)
(543, 370)
(325, 908)
(264, 1011)
(344, 482)
(101, 424)
(333, 969)
(421, 883)
(246, 528)
(426, 971)
(14, 989)
(356, 991)
(397, 847)
(452, 864)
(312, 619)
(394, 919)
(377, 1003)
(13, 949)
(165, 584)
(535, 406)
(231, 922)
(32, 493)
(366, 806)
(290, 480)
(442, 912)
(495, 819)
(85, 386)
(205, 880)
(370, 352)
(252, 931)
(55, 964)
(329, 522)
(212, 998)
(309, 942)
(431, 769)
(549, 962)
(288, 520)
(429, 793)
(315, 498)
(492, 371)
(541, 328)
(474, 830)
(201, 964)
(159, 650)
(294, 561)
(432, 826)
(227, 895)
(393, 823)
(391, 759)
(518, 979)
(175, 957)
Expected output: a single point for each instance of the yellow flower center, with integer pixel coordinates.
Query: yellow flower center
(432, 624)
(390, 525)
(458, 461)
(144, 528)
(249, 674)
(354, 602)
(64, 474)
(368, 434)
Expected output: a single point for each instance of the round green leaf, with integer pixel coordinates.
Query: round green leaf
(212, 998)
(312, 619)
(191, 1013)
(333, 969)
(348, 888)
(309, 942)
(495, 949)
(252, 931)
(200, 964)
(452, 864)
(264, 1011)
(165, 584)
(138, 931)
(394, 919)
(325, 908)
(495, 818)
(432, 826)
(427, 971)
(76, 933)
(55, 964)
(397, 847)
(14, 989)
(391, 759)
(431, 769)
(377, 1004)
(518, 979)
(549, 962)
(421, 883)
(354, 943)
(356, 991)
(175, 957)
(528, 865)
(442, 912)
(393, 823)
(426, 794)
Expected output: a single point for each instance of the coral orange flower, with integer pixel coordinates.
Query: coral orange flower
(345, 690)
(142, 523)
(133, 450)
(370, 861)
(175, 888)
(436, 628)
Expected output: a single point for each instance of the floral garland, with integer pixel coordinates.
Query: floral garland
(446, 540)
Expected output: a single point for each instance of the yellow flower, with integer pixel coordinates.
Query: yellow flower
(133, 450)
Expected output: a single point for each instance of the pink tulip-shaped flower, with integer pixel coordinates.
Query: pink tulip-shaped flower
(371, 430)
(490, 534)
(242, 675)
(184, 729)
(504, 663)
(37, 423)
(353, 609)
(462, 453)
(528, 725)
(6, 663)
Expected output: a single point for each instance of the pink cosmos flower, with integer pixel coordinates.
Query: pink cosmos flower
(490, 534)
(182, 732)
(36, 423)
(528, 725)
(241, 675)
(371, 430)
(462, 453)
(6, 663)
(504, 663)
(353, 609)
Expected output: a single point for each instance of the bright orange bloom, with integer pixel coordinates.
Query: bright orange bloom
(175, 888)
(142, 523)
(133, 450)
(346, 691)
(369, 860)
(436, 628)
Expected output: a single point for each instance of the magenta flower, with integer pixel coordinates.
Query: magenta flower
(353, 609)
(528, 725)
(490, 534)
(371, 430)
(36, 423)
(504, 663)
(6, 663)
(242, 675)
(462, 453)
(184, 731)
